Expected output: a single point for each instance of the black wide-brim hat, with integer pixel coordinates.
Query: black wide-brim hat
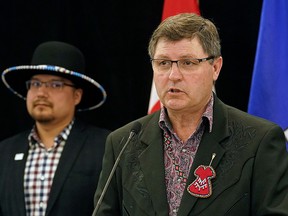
(59, 59)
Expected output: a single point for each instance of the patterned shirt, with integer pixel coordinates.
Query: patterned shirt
(179, 155)
(40, 168)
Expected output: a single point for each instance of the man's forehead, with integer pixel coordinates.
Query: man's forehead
(49, 77)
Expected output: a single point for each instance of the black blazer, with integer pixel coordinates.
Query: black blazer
(75, 179)
(251, 166)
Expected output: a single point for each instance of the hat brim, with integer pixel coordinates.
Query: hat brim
(94, 95)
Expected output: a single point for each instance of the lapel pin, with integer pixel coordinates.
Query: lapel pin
(201, 186)
(19, 156)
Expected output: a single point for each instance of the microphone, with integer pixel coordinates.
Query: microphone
(134, 131)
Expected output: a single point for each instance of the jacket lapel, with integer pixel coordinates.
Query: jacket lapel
(207, 147)
(210, 144)
(17, 175)
(151, 162)
(70, 152)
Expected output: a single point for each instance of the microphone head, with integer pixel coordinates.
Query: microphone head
(136, 127)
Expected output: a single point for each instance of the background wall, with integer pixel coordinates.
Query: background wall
(113, 35)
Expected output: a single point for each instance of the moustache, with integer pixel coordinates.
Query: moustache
(41, 102)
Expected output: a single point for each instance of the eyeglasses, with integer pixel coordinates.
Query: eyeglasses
(53, 85)
(184, 65)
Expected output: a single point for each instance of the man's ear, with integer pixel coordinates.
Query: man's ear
(217, 65)
(78, 95)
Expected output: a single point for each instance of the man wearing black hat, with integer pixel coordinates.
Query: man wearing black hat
(53, 169)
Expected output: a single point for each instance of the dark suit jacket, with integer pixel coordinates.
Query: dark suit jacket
(251, 166)
(75, 179)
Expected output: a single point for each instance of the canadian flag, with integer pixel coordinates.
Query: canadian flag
(171, 8)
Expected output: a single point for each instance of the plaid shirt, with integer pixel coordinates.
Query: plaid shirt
(179, 156)
(40, 169)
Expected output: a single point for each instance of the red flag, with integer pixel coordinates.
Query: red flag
(171, 8)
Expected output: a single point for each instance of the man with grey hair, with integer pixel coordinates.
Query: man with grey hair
(196, 156)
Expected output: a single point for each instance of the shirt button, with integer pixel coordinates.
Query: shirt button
(42, 178)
